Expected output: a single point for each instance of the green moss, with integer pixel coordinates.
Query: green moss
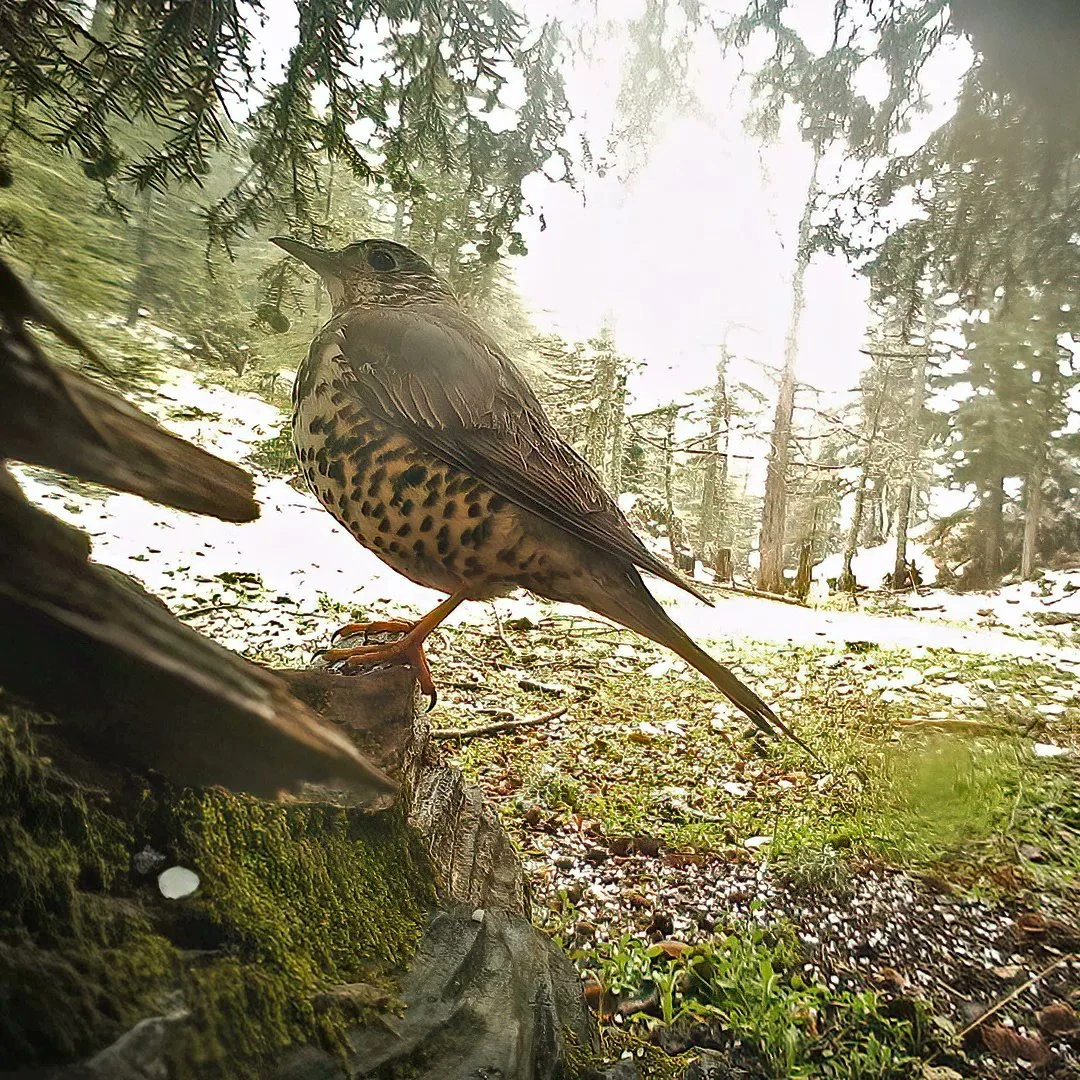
(305, 897)
(294, 899)
(78, 961)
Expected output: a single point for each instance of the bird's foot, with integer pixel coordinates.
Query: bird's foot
(388, 626)
(407, 650)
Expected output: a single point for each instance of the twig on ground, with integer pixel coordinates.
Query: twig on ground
(746, 590)
(1014, 994)
(495, 729)
(210, 609)
(501, 634)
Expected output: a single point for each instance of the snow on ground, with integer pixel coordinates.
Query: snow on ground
(303, 559)
(870, 565)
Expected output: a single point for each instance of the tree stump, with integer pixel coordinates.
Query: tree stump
(324, 940)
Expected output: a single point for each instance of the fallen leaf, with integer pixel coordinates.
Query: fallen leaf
(1012, 1046)
(671, 948)
(1058, 1018)
(1008, 972)
(593, 989)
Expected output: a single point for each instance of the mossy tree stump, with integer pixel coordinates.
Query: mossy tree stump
(323, 940)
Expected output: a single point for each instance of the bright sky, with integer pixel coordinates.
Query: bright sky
(703, 235)
(699, 241)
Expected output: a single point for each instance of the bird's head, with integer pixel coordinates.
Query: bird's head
(371, 273)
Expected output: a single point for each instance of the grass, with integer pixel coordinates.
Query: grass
(657, 757)
(746, 988)
(917, 798)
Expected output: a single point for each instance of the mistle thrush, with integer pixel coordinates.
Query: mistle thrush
(419, 435)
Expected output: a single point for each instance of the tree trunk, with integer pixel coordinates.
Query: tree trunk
(1032, 510)
(871, 425)
(598, 428)
(911, 458)
(804, 575)
(669, 483)
(771, 541)
(317, 299)
(711, 494)
(618, 433)
(140, 285)
(992, 510)
(847, 577)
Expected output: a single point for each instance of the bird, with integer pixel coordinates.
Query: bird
(420, 435)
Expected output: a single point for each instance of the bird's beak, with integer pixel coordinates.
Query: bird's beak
(322, 262)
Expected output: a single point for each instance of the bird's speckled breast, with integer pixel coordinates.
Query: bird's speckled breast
(428, 520)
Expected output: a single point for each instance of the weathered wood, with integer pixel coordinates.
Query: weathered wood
(135, 687)
(58, 418)
(474, 859)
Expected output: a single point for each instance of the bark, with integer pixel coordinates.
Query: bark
(1032, 510)
(847, 576)
(805, 572)
(712, 493)
(669, 484)
(911, 459)
(771, 540)
(598, 428)
(618, 433)
(988, 549)
(870, 429)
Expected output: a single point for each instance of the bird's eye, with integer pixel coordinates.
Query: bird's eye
(380, 260)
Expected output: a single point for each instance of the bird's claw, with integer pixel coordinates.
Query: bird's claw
(402, 651)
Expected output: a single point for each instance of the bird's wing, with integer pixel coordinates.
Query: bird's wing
(437, 375)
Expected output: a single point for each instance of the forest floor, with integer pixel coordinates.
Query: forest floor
(852, 918)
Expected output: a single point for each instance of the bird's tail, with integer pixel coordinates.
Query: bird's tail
(637, 609)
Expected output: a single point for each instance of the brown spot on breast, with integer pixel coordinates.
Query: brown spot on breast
(413, 476)
(442, 541)
(474, 509)
(404, 530)
(377, 478)
(425, 525)
(496, 503)
(450, 509)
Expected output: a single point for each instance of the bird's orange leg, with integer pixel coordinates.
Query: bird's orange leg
(406, 650)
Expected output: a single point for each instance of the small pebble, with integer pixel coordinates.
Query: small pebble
(177, 882)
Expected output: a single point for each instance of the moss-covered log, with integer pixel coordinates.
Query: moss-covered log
(323, 941)
(294, 900)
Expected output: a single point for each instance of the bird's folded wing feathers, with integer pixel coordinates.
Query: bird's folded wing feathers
(436, 374)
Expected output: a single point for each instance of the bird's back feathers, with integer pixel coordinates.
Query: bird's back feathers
(432, 372)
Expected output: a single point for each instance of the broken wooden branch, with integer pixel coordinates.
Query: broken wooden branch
(498, 728)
